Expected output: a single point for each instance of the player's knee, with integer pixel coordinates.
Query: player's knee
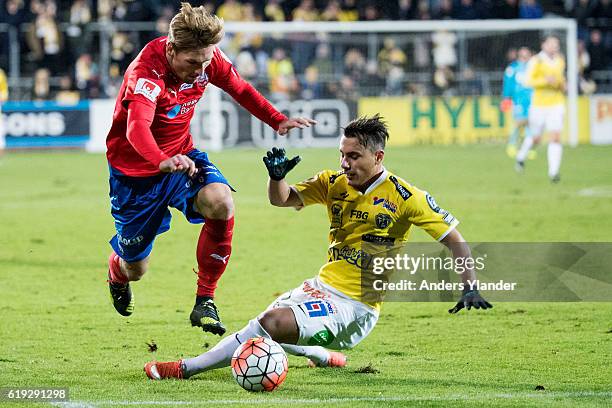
(135, 270)
(280, 325)
(216, 203)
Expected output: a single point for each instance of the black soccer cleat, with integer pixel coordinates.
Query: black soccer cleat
(555, 179)
(206, 316)
(121, 296)
(519, 166)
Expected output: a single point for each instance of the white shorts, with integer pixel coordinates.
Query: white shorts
(546, 119)
(327, 317)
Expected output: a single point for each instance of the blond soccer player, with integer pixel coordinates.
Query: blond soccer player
(546, 74)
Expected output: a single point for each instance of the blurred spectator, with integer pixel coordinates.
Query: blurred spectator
(4, 89)
(585, 84)
(230, 10)
(41, 89)
(372, 83)
(444, 54)
(114, 80)
(443, 80)
(79, 38)
(349, 11)
(245, 65)
(85, 75)
(394, 81)
(465, 10)
(354, 64)
(306, 11)
(469, 84)
(122, 50)
(423, 11)
(311, 84)
(597, 51)
(281, 75)
(273, 11)
(44, 37)
(390, 56)
(407, 9)
(347, 89)
(67, 94)
(370, 13)
(506, 9)
(323, 61)
(530, 9)
(445, 10)
(332, 11)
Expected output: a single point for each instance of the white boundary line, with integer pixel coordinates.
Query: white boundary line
(288, 401)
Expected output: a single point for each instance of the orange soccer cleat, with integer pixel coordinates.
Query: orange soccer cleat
(160, 371)
(336, 359)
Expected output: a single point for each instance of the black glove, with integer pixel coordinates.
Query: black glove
(468, 299)
(277, 163)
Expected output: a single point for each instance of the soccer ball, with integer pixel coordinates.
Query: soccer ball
(259, 364)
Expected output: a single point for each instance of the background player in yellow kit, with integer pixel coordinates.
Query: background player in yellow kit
(365, 203)
(546, 74)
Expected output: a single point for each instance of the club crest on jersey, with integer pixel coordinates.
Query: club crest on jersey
(147, 88)
(388, 205)
(202, 79)
(383, 220)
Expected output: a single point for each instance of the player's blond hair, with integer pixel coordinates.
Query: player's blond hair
(194, 28)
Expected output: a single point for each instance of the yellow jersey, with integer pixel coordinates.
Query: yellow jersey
(383, 214)
(539, 69)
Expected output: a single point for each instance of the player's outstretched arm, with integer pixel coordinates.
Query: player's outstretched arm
(286, 125)
(470, 297)
(279, 192)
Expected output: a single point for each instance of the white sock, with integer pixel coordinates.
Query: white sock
(525, 147)
(221, 355)
(555, 151)
(317, 354)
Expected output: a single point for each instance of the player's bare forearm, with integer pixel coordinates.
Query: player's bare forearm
(460, 249)
(281, 194)
(470, 297)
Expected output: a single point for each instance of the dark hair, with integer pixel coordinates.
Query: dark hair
(371, 132)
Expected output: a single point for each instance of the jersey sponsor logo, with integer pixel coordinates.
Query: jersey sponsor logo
(322, 338)
(377, 239)
(181, 109)
(383, 220)
(403, 192)
(147, 88)
(130, 241)
(353, 256)
(333, 177)
(319, 308)
(386, 204)
(359, 215)
(342, 197)
(185, 86)
(447, 217)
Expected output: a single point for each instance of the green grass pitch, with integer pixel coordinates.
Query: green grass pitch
(58, 328)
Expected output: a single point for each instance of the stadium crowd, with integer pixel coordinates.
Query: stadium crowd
(60, 52)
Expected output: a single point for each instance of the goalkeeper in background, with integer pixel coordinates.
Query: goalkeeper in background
(517, 95)
(545, 73)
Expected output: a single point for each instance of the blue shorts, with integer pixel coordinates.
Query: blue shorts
(139, 205)
(520, 110)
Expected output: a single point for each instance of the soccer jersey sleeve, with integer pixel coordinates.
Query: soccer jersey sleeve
(423, 211)
(143, 86)
(315, 189)
(223, 74)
